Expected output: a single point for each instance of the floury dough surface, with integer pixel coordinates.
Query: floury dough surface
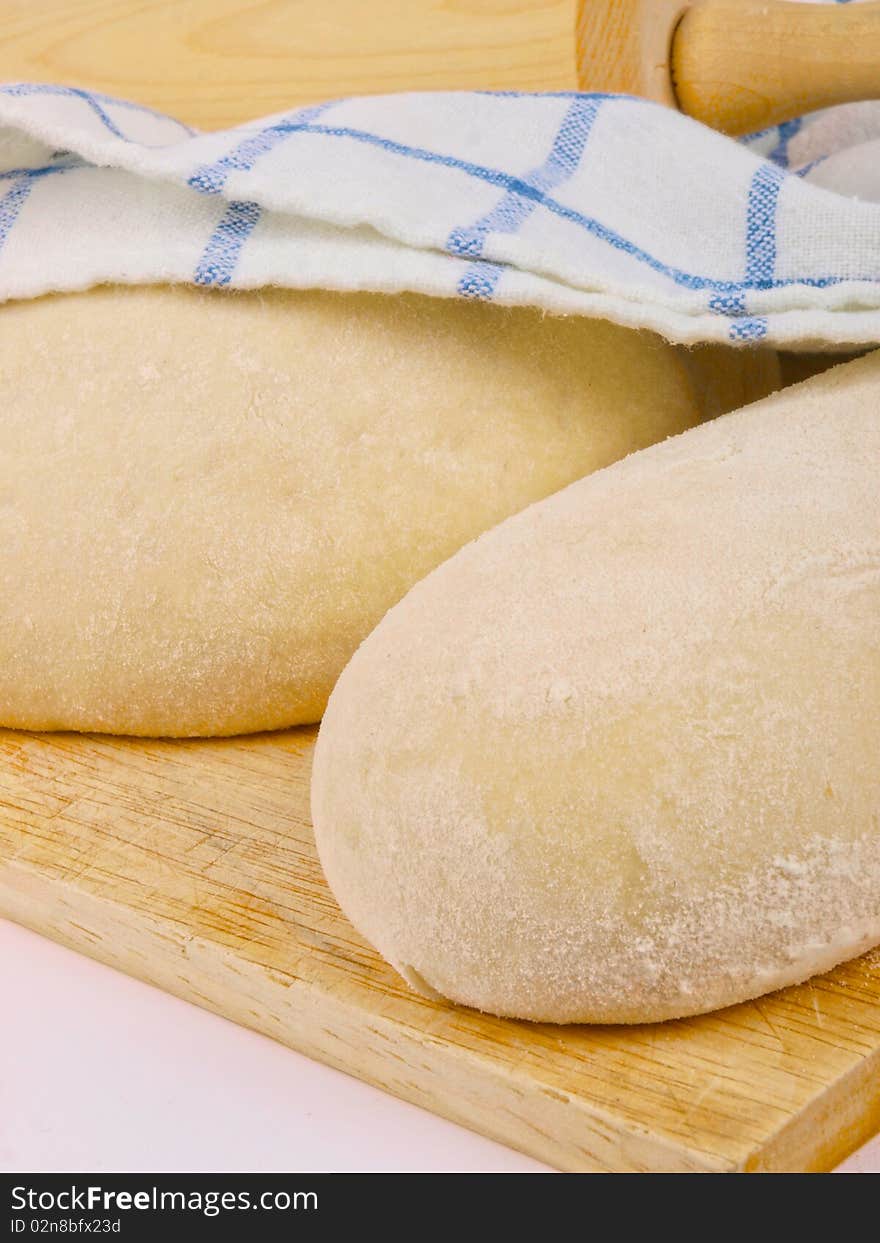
(208, 499)
(617, 760)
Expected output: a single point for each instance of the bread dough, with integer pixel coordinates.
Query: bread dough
(616, 760)
(207, 499)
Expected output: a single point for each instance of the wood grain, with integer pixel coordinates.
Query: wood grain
(192, 865)
(214, 63)
(741, 65)
(625, 47)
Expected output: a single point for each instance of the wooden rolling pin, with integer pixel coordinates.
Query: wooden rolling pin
(737, 65)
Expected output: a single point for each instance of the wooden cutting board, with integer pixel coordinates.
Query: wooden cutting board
(192, 865)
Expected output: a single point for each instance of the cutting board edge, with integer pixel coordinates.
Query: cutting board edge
(843, 1121)
(590, 1141)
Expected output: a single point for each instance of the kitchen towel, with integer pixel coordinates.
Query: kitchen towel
(580, 203)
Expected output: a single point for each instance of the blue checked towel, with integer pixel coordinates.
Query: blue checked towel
(599, 205)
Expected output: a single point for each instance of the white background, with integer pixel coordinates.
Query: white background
(99, 1072)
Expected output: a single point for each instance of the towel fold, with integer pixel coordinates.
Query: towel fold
(600, 205)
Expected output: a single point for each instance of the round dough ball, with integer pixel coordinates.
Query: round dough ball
(616, 760)
(207, 499)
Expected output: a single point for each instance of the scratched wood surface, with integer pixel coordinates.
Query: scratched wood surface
(192, 866)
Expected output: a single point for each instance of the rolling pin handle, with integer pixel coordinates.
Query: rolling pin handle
(737, 65)
(742, 65)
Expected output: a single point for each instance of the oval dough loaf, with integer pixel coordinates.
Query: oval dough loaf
(616, 760)
(208, 499)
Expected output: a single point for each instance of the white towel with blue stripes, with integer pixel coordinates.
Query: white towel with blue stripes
(599, 205)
